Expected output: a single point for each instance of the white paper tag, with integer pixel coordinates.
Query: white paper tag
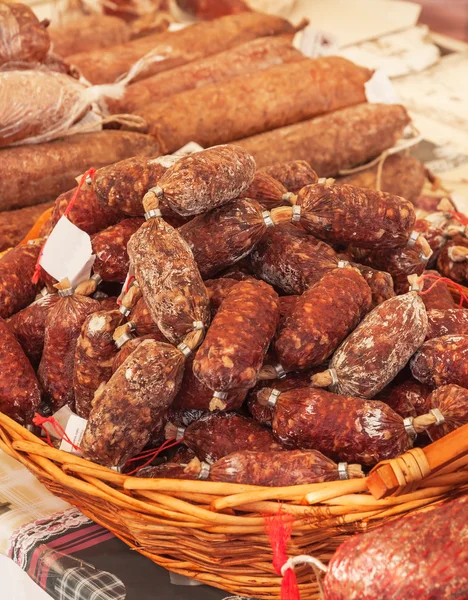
(379, 89)
(68, 253)
(75, 429)
(314, 42)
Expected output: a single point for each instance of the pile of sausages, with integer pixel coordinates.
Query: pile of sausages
(281, 328)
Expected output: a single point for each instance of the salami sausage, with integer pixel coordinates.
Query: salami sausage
(290, 467)
(354, 136)
(452, 403)
(63, 326)
(23, 37)
(223, 236)
(401, 176)
(347, 214)
(15, 224)
(380, 283)
(19, 390)
(217, 435)
(279, 96)
(441, 361)
(94, 353)
(451, 321)
(252, 57)
(294, 175)
(268, 191)
(40, 172)
(452, 261)
(191, 469)
(287, 306)
(232, 353)
(183, 417)
(141, 320)
(174, 48)
(322, 318)
(131, 344)
(206, 179)
(436, 293)
(195, 395)
(16, 269)
(434, 235)
(378, 348)
(28, 325)
(342, 427)
(87, 212)
(110, 247)
(107, 303)
(168, 278)
(88, 33)
(132, 404)
(408, 399)
(421, 555)
(218, 290)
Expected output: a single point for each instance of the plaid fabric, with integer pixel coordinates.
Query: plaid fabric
(85, 583)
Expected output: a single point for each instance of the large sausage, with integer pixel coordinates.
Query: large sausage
(408, 399)
(451, 321)
(277, 97)
(322, 318)
(254, 56)
(16, 270)
(15, 224)
(442, 360)
(354, 136)
(174, 48)
(38, 173)
(401, 176)
(294, 175)
(22, 37)
(232, 353)
(378, 348)
(19, 390)
(133, 403)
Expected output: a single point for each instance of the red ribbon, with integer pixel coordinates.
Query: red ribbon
(279, 530)
(436, 279)
(152, 454)
(40, 421)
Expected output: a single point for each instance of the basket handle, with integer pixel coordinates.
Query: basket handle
(401, 475)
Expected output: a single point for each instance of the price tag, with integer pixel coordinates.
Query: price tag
(75, 429)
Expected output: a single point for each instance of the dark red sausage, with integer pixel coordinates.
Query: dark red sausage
(16, 270)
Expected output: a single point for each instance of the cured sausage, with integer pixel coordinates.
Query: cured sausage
(29, 324)
(232, 353)
(290, 467)
(37, 173)
(223, 236)
(23, 37)
(130, 407)
(342, 427)
(15, 224)
(279, 96)
(451, 321)
(94, 353)
(401, 176)
(195, 395)
(164, 51)
(408, 399)
(110, 247)
(434, 235)
(206, 179)
(452, 261)
(62, 328)
(421, 555)
(168, 278)
(294, 175)
(322, 318)
(218, 290)
(16, 270)
(141, 320)
(347, 214)
(268, 191)
(354, 136)
(87, 212)
(287, 306)
(378, 348)
(126, 347)
(380, 283)
(19, 390)
(88, 33)
(217, 435)
(452, 403)
(252, 57)
(441, 361)
(436, 293)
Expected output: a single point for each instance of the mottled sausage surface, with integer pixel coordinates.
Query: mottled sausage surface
(452, 402)
(451, 321)
(442, 360)
(23, 37)
(142, 321)
(408, 399)
(16, 270)
(436, 293)
(294, 175)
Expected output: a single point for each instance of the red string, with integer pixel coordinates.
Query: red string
(37, 268)
(152, 454)
(40, 421)
(129, 282)
(279, 529)
(460, 217)
(457, 286)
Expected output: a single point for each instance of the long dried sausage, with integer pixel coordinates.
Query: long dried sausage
(378, 348)
(125, 349)
(172, 49)
(22, 37)
(354, 136)
(442, 360)
(16, 270)
(232, 353)
(277, 97)
(322, 318)
(132, 404)
(19, 390)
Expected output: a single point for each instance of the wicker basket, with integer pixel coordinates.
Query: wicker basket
(214, 532)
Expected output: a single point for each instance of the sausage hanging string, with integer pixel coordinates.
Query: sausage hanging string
(460, 289)
(40, 421)
(150, 455)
